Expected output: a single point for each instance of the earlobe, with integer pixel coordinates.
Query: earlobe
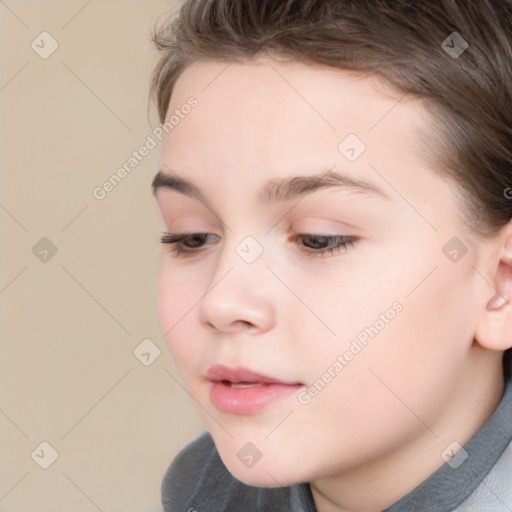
(496, 303)
(494, 330)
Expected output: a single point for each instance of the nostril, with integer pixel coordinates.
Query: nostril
(209, 324)
(243, 324)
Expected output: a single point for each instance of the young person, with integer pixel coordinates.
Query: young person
(336, 268)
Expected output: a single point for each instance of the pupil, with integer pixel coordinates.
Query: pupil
(317, 242)
(196, 240)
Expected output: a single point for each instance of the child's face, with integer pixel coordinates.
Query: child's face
(293, 313)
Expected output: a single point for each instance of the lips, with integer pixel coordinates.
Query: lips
(245, 392)
(219, 373)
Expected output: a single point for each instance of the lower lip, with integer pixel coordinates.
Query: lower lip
(247, 401)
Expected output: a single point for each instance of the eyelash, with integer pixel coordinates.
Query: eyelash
(341, 243)
(176, 242)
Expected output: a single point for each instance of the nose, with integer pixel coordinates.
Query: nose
(238, 298)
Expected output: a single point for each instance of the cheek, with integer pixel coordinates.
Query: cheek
(177, 293)
(346, 304)
(397, 329)
(418, 357)
(392, 386)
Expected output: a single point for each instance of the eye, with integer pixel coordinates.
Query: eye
(324, 245)
(187, 243)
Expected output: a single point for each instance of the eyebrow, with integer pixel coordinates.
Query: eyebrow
(278, 189)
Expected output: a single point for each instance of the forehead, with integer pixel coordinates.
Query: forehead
(296, 100)
(263, 119)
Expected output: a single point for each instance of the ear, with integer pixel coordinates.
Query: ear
(494, 330)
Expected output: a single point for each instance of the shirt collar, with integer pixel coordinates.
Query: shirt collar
(451, 484)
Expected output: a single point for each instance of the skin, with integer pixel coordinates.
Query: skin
(432, 376)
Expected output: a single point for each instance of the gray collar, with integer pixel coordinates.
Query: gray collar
(449, 486)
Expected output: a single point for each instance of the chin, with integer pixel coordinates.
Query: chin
(260, 478)
(271, 464)
(264, 473)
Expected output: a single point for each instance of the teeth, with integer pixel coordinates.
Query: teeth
(237, 385)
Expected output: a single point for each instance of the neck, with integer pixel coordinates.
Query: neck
(378, 483)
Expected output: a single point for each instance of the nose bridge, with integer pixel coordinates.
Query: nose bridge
(243, 256)
(238, 290)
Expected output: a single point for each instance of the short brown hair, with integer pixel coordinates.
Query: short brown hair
(405, 41)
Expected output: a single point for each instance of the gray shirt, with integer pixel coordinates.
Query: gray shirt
(198, 481)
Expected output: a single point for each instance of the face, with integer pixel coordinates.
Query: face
(311, 290)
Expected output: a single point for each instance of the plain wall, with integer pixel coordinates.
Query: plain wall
(70, 321)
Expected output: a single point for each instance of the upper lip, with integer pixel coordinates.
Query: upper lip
(219, 372)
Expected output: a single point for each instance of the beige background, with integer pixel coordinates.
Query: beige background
(70, 324)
